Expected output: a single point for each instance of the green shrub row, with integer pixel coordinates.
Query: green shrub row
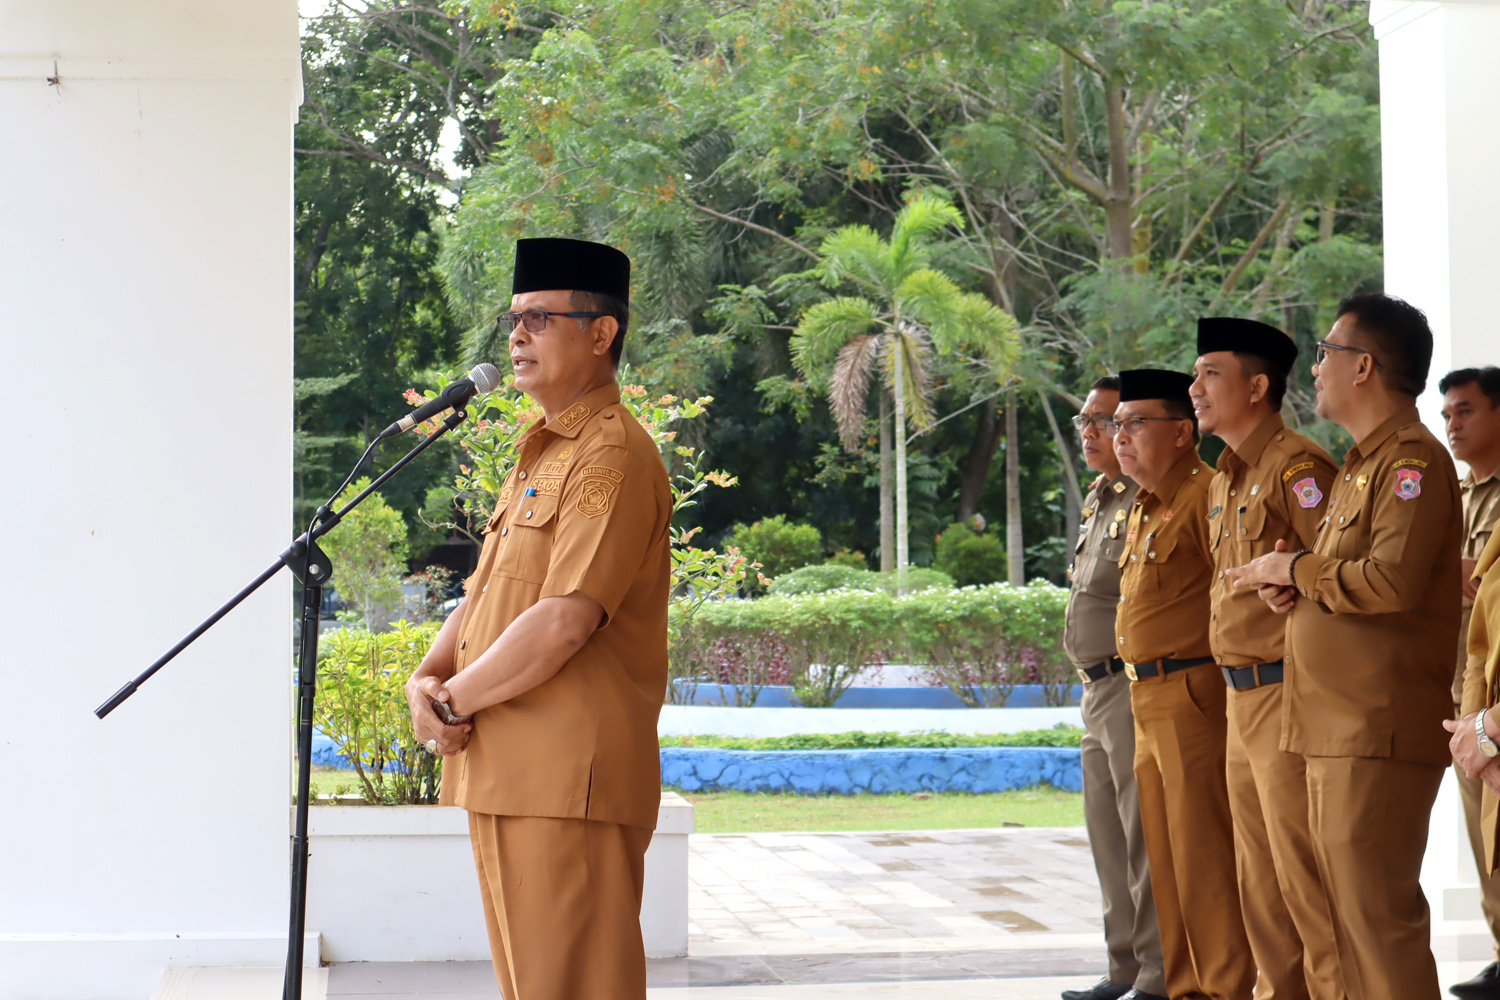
(1058, 736)
(979, 642)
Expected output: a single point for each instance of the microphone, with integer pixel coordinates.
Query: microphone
(483, 377)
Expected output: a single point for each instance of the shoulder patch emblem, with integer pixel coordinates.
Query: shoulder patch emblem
(1308, 494)
(1408, 484)
(595, 497)
(1415, 462)
(573, 415)
(1286, 476)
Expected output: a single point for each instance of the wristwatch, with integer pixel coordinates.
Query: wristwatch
(1486, 745)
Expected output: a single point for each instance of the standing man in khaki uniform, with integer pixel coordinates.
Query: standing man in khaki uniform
(1111, 807)
(1471, 412)
(559, 651)
(1271, 487)
(1374, 618)
(1177, 694)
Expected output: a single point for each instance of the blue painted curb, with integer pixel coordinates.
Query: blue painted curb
(878, 772)
(780, 696)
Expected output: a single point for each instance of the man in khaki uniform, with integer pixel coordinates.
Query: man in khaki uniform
(1271, 487)
(1111, 807)
(1374, 617)
(1177, 693)
(1471, 412)
(559, 650)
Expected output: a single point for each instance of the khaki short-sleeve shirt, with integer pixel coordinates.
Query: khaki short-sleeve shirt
(1275, 487)
(1165, 568)
(1094, 577)
(1370, 643)
(586, 509)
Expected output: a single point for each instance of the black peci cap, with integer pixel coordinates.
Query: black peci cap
(1247, 336)
(546, 264)
(1154, 383)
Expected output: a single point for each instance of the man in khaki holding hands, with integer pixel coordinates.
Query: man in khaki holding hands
(559, 651)
(1271, 488)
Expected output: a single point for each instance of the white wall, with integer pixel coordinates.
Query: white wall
(1440, 151)
(1440, 138)
(145, 349)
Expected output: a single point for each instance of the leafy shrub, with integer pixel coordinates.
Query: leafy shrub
(1060, 735)
(368, 550)
(854, 560)
(914, 579)
(970, 557)
(779, 545)
(823, 578)
(362, 707)
(980, 642)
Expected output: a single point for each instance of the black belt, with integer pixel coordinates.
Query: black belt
(1259, 675)
(1102, 669)
(1151, 668)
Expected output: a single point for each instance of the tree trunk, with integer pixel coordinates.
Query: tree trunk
(887, 488)
(1069, 463)
(1014, 542)
(902, 541)
(1118, 210)
(974, 469)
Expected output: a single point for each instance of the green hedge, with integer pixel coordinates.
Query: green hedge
(1058, 736)
(832, 576)
(980, 642)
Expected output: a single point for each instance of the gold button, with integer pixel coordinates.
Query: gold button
(1221, 574)
(1226, 532)
(1195, 472)
(1145, 517)
(528, 515)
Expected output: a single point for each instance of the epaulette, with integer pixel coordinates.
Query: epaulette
(1411, 432)
(611, 427)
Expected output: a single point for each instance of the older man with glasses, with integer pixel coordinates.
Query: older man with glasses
(1111, 807)
(1177, 692)
(544, 686)
(1374, 608)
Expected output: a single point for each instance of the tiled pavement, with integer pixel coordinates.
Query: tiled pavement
(943, 890)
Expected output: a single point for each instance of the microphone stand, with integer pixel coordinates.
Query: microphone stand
(312, 568)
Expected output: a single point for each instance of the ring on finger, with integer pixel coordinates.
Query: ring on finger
(432, 746)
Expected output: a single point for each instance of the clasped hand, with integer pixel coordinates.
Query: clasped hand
(1271, 575)
(1464, 746)
(425, 722)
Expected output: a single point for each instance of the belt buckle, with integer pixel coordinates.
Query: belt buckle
(1083, 675)
(1130, 671)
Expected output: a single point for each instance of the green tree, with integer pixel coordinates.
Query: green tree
(906, 312)
(368, 549)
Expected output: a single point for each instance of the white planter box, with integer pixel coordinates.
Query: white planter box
(397, 884)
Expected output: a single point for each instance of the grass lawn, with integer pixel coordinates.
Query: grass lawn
(749, 812)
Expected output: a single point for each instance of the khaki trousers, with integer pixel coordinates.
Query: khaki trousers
(1112, 811)
(1369, 826)
(562, 901)
(1287, 917)
(1180, 732)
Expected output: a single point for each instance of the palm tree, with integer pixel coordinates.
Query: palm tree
(906, 311)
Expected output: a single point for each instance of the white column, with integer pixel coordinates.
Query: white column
(145, 345)
(1440, 141)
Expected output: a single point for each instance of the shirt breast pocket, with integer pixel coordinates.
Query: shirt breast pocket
(1348, 531)
(526, 549)
(1157, 582)
(1250, 530)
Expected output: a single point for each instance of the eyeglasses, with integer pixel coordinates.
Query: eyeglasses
(535, 320)
(1098, 421)
(1132, 425)
(1324, 347)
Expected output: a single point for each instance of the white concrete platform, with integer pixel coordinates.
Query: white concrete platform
(235, 984)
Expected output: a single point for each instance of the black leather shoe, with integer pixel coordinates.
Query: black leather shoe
(1102, 990)
(1135, 994)
(1485, 986)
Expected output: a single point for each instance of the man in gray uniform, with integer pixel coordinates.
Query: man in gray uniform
(1110, 804)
